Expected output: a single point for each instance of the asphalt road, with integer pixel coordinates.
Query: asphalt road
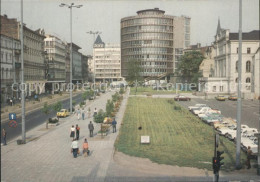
(33, 119)
(249, 115)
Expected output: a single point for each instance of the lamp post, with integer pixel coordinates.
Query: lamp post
(94, 75)
(22, 78)
(70, 7)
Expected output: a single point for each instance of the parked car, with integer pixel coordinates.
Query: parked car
(249, 132)
(204, 110)
(220, 98)
(63, 113)
(182, 98)
(197, 106)
(232, 97)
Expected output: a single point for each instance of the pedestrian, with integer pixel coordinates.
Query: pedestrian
(78, 113)
(72, 132)
(75, 148)
(91, 129)
(4, 136)
(89, 112)
(249, 156)
(114, 125)
(11, 102)
(95, 112)
(77, 132)
(83, 114)
(85, 148)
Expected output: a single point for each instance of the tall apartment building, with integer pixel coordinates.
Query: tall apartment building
(90, 69)
(76, 63)
(10, 67)
(34, 67)
(225, 77)
(107, 62)
(154, 38)
(55, 60)
(84, 67)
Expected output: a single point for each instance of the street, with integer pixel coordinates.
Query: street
(33, 119)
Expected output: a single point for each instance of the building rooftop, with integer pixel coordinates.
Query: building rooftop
(155, 9)
(253, 35)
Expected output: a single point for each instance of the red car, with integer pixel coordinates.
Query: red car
(181, 98)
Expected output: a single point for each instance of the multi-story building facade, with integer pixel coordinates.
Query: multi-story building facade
(90, 69)
(152, 38)
(34, 67)
(56, 51)
(225, 77)
(76, 63)
(181, 37)
(10, 67)
(107, 60)
(84, 68)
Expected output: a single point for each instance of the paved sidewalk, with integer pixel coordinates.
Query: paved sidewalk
(47, 156)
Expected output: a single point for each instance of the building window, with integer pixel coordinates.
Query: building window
(247, 80)
(214, 88)
(236, 66)
(236, 80)
(248, 66)
(237, 50)
(221, 88)
(248, 50)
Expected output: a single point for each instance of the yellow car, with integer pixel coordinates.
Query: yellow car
(221, 98)
(63, 113)
(232, 97)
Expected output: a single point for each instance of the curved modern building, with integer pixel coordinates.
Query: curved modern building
(149, 37)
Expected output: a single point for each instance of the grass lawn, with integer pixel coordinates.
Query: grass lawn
(149, 90)
(177, 137)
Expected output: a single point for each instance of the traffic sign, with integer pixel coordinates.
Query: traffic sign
(12, 116)
(12, 124)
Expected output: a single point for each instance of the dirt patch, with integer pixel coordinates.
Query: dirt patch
(149, 167)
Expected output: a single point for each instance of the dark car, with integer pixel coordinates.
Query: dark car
(181, 98)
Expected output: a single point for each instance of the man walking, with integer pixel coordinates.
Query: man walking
(91, 129)
(249, 156)
(75, 148)
(4, 136)
(83, 114)
(114, 125)
(77, 132)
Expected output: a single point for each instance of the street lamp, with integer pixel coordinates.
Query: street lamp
(70, 7)
(94, 75)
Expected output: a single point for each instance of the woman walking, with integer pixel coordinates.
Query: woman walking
(72, 132)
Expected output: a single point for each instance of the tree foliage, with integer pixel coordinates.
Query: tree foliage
(109, 107)
(134, 69)
(188, 67)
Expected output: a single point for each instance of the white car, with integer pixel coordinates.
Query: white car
(201, 110)
(204, 111)
(197, 106)
(224, 130)
(248, 132)
(245, 142)
(231, 135)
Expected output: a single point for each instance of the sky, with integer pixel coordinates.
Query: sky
(105, 15)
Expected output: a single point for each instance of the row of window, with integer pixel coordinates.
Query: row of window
(156, 43)
(162, 36)
(150, 28)
(142, 21)
(11, 44)
(6, 57)
(248, 80)
(248, 66)
(248, 50)
(149, 56)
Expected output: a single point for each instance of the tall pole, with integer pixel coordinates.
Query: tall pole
(71, 53)
(71, 58)
(22, 78)
(238, 142)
